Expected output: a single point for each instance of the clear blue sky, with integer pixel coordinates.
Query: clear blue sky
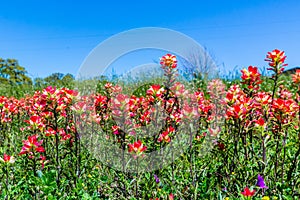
(56, 36)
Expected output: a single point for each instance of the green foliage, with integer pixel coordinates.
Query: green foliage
(100, 88)
(223, 172)
(11, 73)
(142, 90)
(14, 80)
(58, 80)
(211, 173)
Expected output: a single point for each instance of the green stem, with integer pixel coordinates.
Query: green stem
(284, 155)
(137, 177)
(7, 183)
(191, 157)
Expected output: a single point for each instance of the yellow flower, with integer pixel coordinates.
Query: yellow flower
(226, 198)
(265, 198)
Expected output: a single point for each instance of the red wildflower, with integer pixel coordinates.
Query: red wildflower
(7, 159)
(145, 117)
(296, 77)
(189, 112)
(204, 106)
(100, 102)
(251, 77)
(260, 121)
(176, 116)
(284, 93)
(221, 146)
(115, 129)
(179, 90)
(32, 144)
(50, 90)
(234, 93)
(108, 85)
(137, 147)
(276, 60)
(285, 106)
(165, 135)
(64, 135)
(43, 161)
(168, 60)
(262, 99)
(248, 193)
(239, 110)
(50, 132)
(216, 89)
(155, 90)
(35, 122)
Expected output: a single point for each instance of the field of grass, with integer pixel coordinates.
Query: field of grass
(154, 138)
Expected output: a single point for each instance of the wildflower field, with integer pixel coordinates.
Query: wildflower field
(216, 139)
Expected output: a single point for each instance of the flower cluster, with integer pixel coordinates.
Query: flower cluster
(260, 183)
(137, 148)
(296, 77)
(251, 77)
(254, 120)
(165, 135)
(7, 159)
(276, 60)
(31, 145)
(168, 60)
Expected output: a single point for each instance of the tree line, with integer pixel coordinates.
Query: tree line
(15, 81)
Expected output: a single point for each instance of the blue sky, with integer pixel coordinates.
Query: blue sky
(56, 36)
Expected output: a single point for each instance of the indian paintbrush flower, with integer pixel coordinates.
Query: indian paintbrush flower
(7, 159)
(251, 77)
(276, 60)
(296, 77)
(247, 192)
(165, 135)
(137, 147)
(168, 60)
(31, 144)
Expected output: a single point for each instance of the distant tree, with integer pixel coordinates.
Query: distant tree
(199, 64)
(68, 80)
(11, 73)
(14, 80)
(290, 71)
(58, 80)
(54, 78)
(39, 83)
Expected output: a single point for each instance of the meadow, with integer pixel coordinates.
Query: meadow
(162, 138)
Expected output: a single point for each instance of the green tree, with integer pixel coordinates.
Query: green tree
(54, 79)
(14, 80)
(59, 80)
(12, 73)
(68, 81)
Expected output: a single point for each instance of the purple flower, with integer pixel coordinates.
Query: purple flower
(260, 182)
(156, 178)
